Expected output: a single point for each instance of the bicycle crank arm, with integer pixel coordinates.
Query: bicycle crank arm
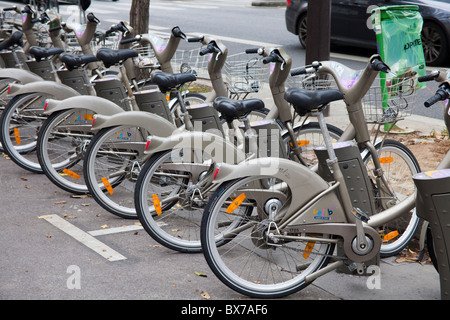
(348, 232)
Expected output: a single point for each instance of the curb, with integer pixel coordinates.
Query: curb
(268, 3)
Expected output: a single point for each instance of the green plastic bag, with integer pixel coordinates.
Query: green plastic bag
(398, 33)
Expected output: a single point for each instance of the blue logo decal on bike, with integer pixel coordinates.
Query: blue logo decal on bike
(324, 214)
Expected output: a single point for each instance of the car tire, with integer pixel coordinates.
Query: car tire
(302, 30)
(435, 44)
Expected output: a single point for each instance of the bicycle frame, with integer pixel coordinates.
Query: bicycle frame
(299, 217)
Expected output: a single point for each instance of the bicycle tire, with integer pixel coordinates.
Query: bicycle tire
(401, 164)
(20, 124)
(61, 146)
(175, 229)
(241, 262)
(110, 172)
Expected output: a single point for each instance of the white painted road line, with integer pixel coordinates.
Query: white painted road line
(102, 232)
(83, 237)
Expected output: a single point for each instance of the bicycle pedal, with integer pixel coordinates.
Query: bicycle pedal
(360, 215)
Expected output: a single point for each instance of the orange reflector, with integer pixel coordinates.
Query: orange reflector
(302, 143)
(157, 204)
(309, 247)
(71, 174)
(17, 135)
(107, 185)
(89, 116)
(386, 160)
(390, 236)
(236, 203)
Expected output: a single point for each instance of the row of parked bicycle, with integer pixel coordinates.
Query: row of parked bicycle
(249, 186)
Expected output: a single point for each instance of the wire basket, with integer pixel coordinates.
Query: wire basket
(146, 56)
(110, 41)
(11, 19)
(311, 82)
(190, 61)
(391, 101)
(245, 74)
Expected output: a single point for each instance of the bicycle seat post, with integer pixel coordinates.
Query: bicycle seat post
(250, 137)
(126, 82)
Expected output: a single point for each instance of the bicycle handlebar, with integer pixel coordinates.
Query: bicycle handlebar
(254, 50)
(55, 29)
(135, 39)
(195, 39)
(92, 18)
(27, 9)
(432, 76)
(10, 9)
(441, 94)
(176, 31)
(211, 48)
(379, 65)
(313, 67)
(117, 27)
(273, 57)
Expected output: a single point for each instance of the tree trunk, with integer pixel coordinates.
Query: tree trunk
(139, 15)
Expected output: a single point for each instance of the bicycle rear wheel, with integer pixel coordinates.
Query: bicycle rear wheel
(399, 165)
(238, 243)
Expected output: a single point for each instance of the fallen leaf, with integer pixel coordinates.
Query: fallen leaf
(60, 202)
(69, 217)
(80, 196)
(200, 274)
(104, 226)
(27, 187)
(24, 179)
(205, 295)
(48, 235)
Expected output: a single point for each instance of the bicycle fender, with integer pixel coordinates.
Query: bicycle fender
(56, 90)
(211, 144)
(303, 182)
(96, 104)
(149, 121)
(19, 75)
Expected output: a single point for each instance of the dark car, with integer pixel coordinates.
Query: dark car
(349, 24)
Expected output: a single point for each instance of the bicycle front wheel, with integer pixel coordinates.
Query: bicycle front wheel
(61, 145)
(168, 202)
(112, 164)
(239, 246)
(399, 165)
(20, 123)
